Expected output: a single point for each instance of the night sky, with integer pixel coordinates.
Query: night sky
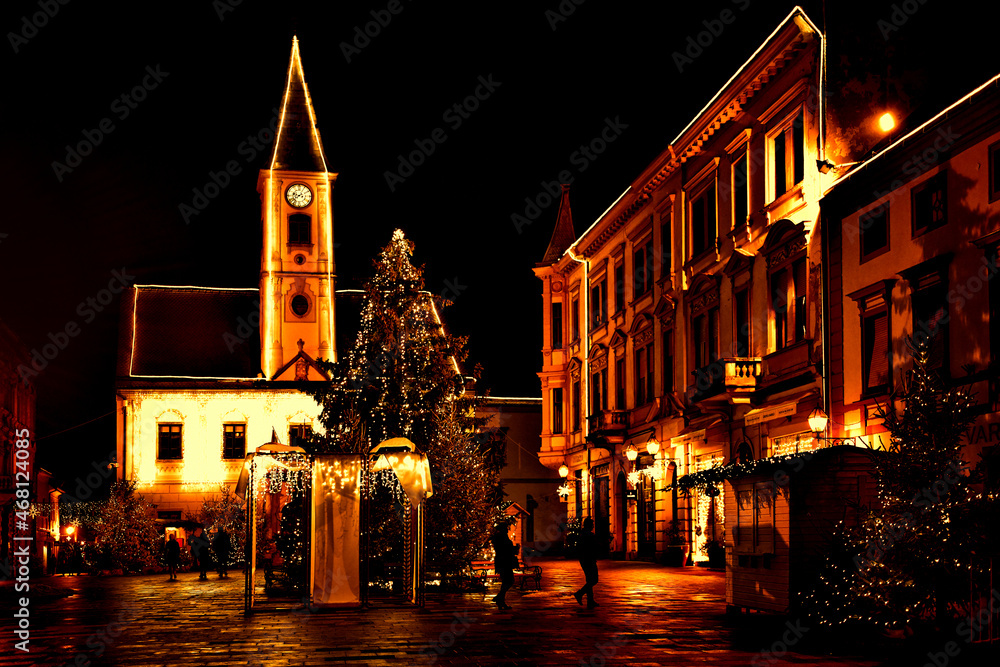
(214, 73)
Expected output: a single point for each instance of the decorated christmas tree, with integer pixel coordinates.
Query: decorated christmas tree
(126, 530)
(907, 563)
(402, 378)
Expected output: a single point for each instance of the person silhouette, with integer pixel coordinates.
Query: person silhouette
(504, 562)
(222, 545)
(587, 552)
(173, 555)
(199, 548)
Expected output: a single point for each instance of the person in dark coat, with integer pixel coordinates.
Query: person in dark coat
(222, 545)
(173, 555)
(587, 551)
(199, 549)
(504, 562)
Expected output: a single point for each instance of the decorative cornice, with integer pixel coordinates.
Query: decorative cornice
(793, 247)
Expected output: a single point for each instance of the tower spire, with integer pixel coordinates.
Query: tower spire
(563, 235)
(298, 146)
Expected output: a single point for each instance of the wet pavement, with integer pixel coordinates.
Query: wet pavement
(648, 615)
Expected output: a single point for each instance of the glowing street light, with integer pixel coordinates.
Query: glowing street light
(886, 122)
(563, 470)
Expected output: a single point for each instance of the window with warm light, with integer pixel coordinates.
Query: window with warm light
(788, 303)
(599, 390)
(234, 441)
(644, 374)
(598, 303)
(168, 446)
(786, 149)
(557, 410)
(704, 220)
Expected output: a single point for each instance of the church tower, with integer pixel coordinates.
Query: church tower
(297, 268)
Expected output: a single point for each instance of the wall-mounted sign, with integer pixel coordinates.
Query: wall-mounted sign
(692, 437)
(765, 414)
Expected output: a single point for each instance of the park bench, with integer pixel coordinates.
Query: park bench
(483, 572)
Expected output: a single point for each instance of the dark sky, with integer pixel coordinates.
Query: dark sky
(63, 235)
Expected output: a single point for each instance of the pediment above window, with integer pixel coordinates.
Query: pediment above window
(618, 338)
(665, 309)
(703, 293)
(785, 239)
(739, 261)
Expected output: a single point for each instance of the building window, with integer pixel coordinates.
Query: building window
(741, 317)
(642, 268)
(668, 361)
(598, 304)
(666, 250)
(599, 391)
(788, 156)
(577, 408)
(557, 324)
(299, 229)
(643, 375)
(876, 353)
(299, 434)
(706, 337)
(741, 190)
(788, 302)
(620, 382)
(754, 530)
(873, 228)
(930, 319)
(168, 444)
(930, 204)
(620, 285)
(234, 441)
(704, 222)
(557, 410)
(575, 314)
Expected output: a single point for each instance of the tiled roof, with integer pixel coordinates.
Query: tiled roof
(190, 332)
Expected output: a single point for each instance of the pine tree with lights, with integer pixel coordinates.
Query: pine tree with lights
(402, 379)
(908, 561)
(126, 530)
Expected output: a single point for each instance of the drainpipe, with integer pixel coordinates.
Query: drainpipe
(585, 366)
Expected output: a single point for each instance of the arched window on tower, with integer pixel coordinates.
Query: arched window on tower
(299, 229)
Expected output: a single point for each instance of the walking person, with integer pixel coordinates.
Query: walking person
(199, 549)
(173, 555)
(504, 562)
(222, 545)
(587, 550)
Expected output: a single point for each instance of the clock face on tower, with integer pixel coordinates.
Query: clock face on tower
(299, 195)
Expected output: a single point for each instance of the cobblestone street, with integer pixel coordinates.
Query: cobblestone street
(648, 615)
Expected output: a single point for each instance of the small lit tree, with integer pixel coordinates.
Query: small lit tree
(227, 512)
(910, 557)
(126, 529)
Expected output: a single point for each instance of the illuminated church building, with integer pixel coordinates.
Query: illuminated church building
(204, 374)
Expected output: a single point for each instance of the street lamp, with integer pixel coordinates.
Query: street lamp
(563, 471)
(652, 446)
(69, 532)
(631, 453)
(817, 421)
